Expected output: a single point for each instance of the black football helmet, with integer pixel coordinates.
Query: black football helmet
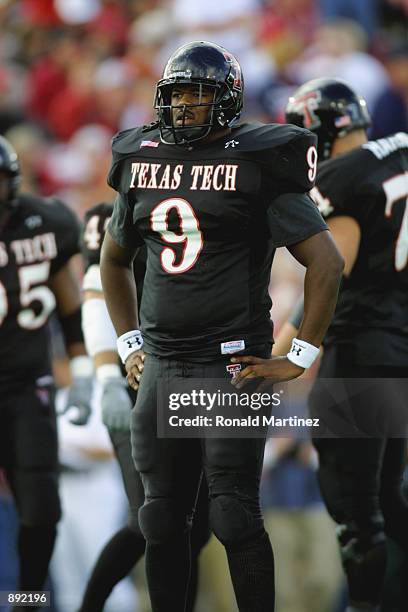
(10, 167)
(330, 109)
(206, 65)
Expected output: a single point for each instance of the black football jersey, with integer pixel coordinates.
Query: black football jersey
(370, 184)
(96, 220)
(39, 237)
(211, 217)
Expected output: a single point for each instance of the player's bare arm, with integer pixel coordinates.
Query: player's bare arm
(324, 266)
(346, 234)
(121, 298)
(65, 286)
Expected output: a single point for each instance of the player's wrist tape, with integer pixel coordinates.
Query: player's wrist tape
(99, 333)
(302, 353)
(107, 371)
(129, 343)
(81, 366)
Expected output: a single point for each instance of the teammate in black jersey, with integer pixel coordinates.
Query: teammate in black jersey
(38, 237)
(127, 546)
(211, 202)
(362, 189)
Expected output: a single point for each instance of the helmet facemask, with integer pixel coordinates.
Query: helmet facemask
(170, 115)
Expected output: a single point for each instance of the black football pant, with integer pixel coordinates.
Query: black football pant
(360, 480)
(171, 470)
(29, 456)
(127, 546)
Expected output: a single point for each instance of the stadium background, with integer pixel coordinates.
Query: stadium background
(74, 72)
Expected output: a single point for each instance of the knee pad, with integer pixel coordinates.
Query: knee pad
(37, 498)
(364, 558)
(161, 520)
(231, 521)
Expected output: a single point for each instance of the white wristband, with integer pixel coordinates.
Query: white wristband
(129, 343)
(302, 353)
(107, 371)
(81, 366)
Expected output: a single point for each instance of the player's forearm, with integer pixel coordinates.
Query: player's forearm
(119, 290)
(121, 297)
(321, 287)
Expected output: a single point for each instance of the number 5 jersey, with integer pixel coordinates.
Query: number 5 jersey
(36, 241)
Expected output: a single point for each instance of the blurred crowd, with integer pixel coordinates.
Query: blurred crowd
(74, 72)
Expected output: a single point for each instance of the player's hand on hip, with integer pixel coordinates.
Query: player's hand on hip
(276, 369)
(79, 400)
(134, 367)
(116, 404)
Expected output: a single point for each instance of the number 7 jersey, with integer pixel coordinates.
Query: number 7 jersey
(370, 184)
(211, 217)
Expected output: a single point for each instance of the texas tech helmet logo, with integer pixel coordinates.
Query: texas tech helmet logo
(235, 75)
(306, 105)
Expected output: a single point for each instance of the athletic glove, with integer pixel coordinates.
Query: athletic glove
(79, 400)
(116, 404)
(80, 392)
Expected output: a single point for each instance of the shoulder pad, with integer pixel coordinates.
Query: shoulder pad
(128, 142)
(125, 144)
(286, 151)
(261, 136)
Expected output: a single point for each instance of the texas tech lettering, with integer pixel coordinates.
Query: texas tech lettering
(39, 248)
(221, 177)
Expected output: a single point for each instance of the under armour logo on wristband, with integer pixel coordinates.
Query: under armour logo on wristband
(136, 341)
(129, 343)
(302, 353)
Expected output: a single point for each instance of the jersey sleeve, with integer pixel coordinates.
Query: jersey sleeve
(296, 164)
(288, 157)
(124, 144)
(293, 217)
(121, 226)
(67, 231)
(95, 223)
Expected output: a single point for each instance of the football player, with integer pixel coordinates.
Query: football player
(127, 546)
(38, 238)
(211, 201)
(362, 189)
